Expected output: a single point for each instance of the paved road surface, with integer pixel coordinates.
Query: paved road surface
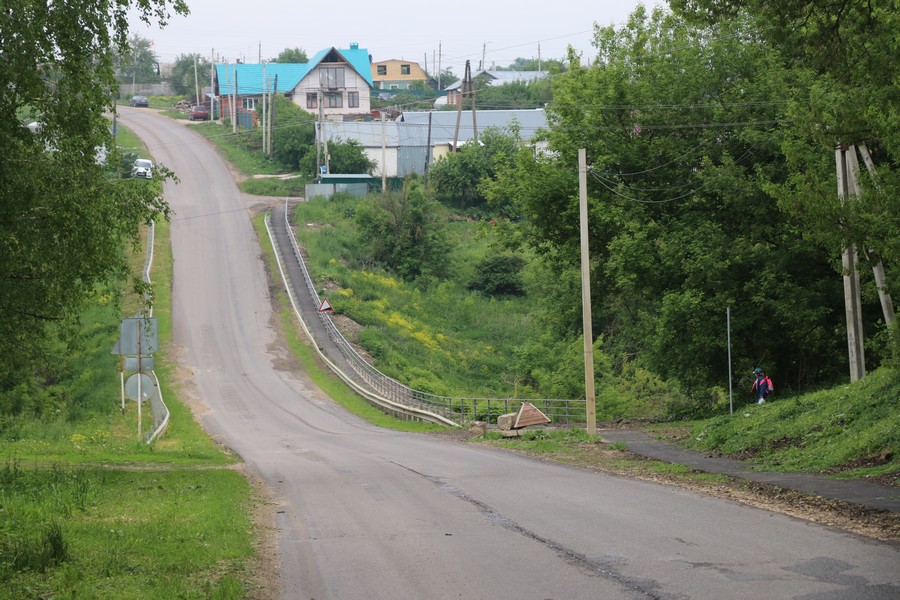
(375, 514)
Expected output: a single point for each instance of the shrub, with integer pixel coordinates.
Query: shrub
(499, 275)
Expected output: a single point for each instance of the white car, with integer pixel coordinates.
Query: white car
(142, 168)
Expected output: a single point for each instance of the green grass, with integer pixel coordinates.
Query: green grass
(241, 149)
(271, 186)
(90, 511)
(853, 428)
(413, 332)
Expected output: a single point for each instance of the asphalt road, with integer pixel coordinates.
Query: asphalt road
(370, 513)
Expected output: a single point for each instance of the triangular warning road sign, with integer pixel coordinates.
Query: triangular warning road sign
(529, 414)
(326, 306)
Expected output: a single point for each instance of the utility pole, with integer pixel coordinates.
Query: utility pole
(212, 84)
(474, 123)
(383, 154)
(428, 149)
(265, 90)
(589, 399)
(196, 82)
(439, 66)
(852, 300)
(272, 112)
(234, 108)
(539, 57)
(462, 92)
(887, 305)
(481, 66)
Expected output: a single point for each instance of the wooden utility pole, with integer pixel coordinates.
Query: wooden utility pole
(463, 89)
(589, 398)
(852, 298)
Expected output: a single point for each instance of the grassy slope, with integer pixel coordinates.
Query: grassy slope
(89, 510)
(853, 428)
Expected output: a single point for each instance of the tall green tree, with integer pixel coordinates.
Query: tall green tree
(843, 57)
(404, 232)
(63, 217)
(682, 129)
(136, 61)
(457, 177)
(183, 78)
(292, 55)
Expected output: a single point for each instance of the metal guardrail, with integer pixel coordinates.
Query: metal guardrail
(157, 404)
(458, 409)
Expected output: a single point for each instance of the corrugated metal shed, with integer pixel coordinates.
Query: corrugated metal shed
(443, 123)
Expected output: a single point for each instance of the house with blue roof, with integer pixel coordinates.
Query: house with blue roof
(339, 81)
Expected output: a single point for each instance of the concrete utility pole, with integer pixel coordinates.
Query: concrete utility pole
(272, 112)
(212, 84)
(887, 305)
(428, 149)
(196, 82)
(265, 129)
(383, 154)
(852, 299)
(589, 398)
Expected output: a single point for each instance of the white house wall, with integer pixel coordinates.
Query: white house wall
(353, 82)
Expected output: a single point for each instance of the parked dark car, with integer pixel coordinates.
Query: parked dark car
(139, 101)
(199, 113)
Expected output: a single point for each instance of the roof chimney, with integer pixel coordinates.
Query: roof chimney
(354, 45)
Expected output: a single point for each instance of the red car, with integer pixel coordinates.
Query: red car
(199, 113)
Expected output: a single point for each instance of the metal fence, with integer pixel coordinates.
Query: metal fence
(458, 409)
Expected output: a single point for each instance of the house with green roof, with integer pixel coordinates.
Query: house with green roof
(337, 80)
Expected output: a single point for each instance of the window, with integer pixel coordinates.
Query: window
(334, 100)
(404, 69)
(353, 99)
(331, 77)
(249, 103)
(382, 69)
(312, 100)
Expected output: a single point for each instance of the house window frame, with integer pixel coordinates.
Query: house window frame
(333, 100)
(405, 70)
(331, 77)
(312, 100)
(382, 69)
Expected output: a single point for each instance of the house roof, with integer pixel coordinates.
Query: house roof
(504, 77)
(250, 79)
(357, 57)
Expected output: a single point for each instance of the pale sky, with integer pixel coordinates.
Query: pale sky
(401, 29)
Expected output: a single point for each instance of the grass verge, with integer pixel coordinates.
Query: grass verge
(90, 511)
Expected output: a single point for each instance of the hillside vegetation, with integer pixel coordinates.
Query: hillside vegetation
(851, 429)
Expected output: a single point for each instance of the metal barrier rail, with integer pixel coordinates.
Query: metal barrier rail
(458, 409)
(158, 405)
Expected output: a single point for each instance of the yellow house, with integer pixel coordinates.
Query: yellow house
(397, 74)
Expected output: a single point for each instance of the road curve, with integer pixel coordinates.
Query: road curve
(369, 513)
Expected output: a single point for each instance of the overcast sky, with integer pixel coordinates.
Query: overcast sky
(400, 29)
